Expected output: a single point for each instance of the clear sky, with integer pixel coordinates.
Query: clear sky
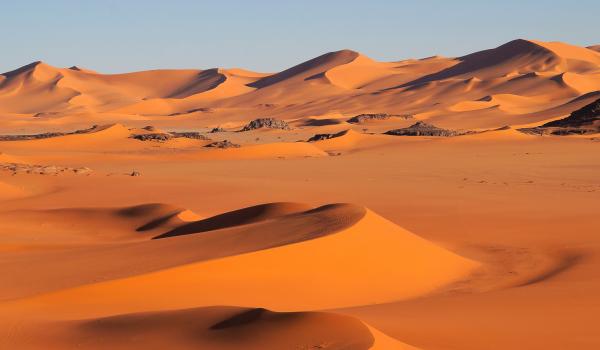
(269, 35)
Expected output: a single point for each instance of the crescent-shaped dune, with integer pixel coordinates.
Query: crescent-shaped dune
(323, 251)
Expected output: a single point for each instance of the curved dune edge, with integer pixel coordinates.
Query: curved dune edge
(244, 216)
(217, 327)
(358, 72)
(382, 341)
(509, 103)
(375, 259)
(92, 225)
(130, 251)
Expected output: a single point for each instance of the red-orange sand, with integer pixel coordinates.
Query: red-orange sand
(363, 241)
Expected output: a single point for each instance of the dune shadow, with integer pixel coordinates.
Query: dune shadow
(240, 319)
(321, 122)
(156, 223)
(235, 218)
(566, 262)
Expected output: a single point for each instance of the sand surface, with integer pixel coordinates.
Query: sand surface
(361, 240)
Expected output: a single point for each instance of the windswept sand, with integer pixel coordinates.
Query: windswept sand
(364, 240)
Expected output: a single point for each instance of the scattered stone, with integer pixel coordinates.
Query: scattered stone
(20, 168)
(216, 130)
(574, 131)
(424, 129)
(149, 128)
(363, 118)
(189, 135)
(160, 137)
(270, 123)
(82, 171)
(320, 137)
(46, 135)
(223, 144)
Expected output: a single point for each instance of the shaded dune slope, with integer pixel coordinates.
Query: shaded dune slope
(238, 217)
(218, 327)
(308, 69)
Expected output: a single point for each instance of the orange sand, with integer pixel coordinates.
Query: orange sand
(481, 241)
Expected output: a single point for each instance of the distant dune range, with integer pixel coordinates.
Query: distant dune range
(520, 82)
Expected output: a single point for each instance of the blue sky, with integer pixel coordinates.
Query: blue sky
(269, 35)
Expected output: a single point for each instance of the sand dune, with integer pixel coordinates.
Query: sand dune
(92, 225)
(85, 234)
(343, 81)
(481, 236)
(375, 259)
(309, 70)
(208, 328)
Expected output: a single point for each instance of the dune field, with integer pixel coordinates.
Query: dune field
(440, 203)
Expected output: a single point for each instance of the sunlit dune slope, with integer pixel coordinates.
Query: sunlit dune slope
(294, 262)
(544, 74)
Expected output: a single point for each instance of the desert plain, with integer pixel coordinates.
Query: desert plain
(440, 203)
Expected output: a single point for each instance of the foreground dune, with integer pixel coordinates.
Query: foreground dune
(335, 247)
(207, 328)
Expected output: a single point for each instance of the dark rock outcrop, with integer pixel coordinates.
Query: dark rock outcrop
(270, 123)
(320, 137)
(586, 115)
(583, 121)
(223, 144)
(46, 135)
(160, 137)
(363, 118)
(189, 135)
(423, 129)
